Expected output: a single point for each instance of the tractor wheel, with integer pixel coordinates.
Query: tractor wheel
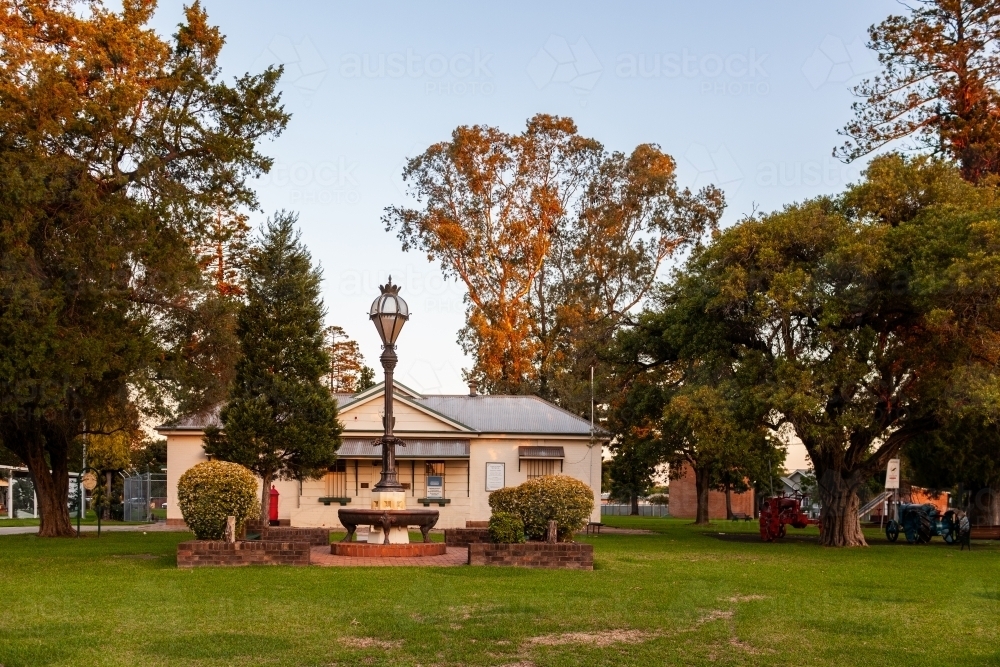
(917, 525)
(956, 526)
(765, 533)
(891, 530)
(949, 527)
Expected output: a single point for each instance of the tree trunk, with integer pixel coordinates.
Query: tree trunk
(265, 501)
(52, 490)
(840, 525)
(729, 502)
(702, 491)
(634, 510)
(984, 508)
(107, 503)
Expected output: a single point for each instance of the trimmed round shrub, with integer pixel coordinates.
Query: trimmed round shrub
(505, 500)
(658, 499)
(506, 528)
(559, 498)
(213, 490)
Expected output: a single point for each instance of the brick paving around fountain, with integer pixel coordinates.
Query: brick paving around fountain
(454, 556)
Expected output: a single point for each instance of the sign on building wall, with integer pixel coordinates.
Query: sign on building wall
(435, 486)
(892, 474)
(494, 476)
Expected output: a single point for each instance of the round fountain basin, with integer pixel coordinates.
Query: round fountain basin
(386, 519)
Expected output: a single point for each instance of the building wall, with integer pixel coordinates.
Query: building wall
(582, 462)
(183, 452)
(368, 417)
(187, 450)
(684, 499)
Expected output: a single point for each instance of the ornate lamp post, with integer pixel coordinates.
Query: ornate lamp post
(388, 517)
(389, 312)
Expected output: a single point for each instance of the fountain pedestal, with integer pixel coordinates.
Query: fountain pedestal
(388, 500)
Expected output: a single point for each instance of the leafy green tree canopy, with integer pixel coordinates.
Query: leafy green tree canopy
(870, 317)
(117, 147)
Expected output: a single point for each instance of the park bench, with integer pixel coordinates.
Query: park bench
(985, 532)
(595, 527)
(737, 516)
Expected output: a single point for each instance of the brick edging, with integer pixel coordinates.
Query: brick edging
(201, 553)
(365, 550)
(561, 555)
(460, 537)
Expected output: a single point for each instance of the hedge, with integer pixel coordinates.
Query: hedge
(213, 490)
(560, 498)
(506, 528)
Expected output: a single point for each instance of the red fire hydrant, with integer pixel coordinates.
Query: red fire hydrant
(272, 511)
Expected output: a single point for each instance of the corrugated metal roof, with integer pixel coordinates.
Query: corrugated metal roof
(196, 421)
(355, 448)
(541, 453)
(509, 414)
(484, 413)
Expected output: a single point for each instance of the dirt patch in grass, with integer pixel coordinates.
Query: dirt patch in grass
(745, 598)
(606, 638)
(369, 642)
(747, 648)
(716, 615)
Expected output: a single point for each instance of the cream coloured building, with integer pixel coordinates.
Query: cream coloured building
(457, 447)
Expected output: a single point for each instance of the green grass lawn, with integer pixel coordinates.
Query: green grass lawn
(89, 520)
(681, 596)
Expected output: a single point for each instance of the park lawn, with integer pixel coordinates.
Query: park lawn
(680, 596)
(89, 520)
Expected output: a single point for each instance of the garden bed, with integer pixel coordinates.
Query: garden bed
(558, 555)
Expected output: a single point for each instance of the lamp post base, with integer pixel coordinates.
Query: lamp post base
(397, 535)
(388, 500)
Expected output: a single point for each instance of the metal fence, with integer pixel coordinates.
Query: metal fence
(644, 510)
(144, 496)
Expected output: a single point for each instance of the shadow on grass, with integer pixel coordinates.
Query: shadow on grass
(755, 537)
(218, 645)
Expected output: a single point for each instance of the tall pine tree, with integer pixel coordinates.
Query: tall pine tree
(280, 420)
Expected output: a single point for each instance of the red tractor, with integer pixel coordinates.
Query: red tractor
(778, 512)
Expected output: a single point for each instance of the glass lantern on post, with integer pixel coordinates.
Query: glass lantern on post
(389, 312)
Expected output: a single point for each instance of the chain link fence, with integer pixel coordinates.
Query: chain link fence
(614, 509)
(145, 497)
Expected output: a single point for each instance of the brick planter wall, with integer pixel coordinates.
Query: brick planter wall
(201, 553)
(317, 537)
(460, 537)
(562, 555)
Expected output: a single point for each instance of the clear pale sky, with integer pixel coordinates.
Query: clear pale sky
(746, 95)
